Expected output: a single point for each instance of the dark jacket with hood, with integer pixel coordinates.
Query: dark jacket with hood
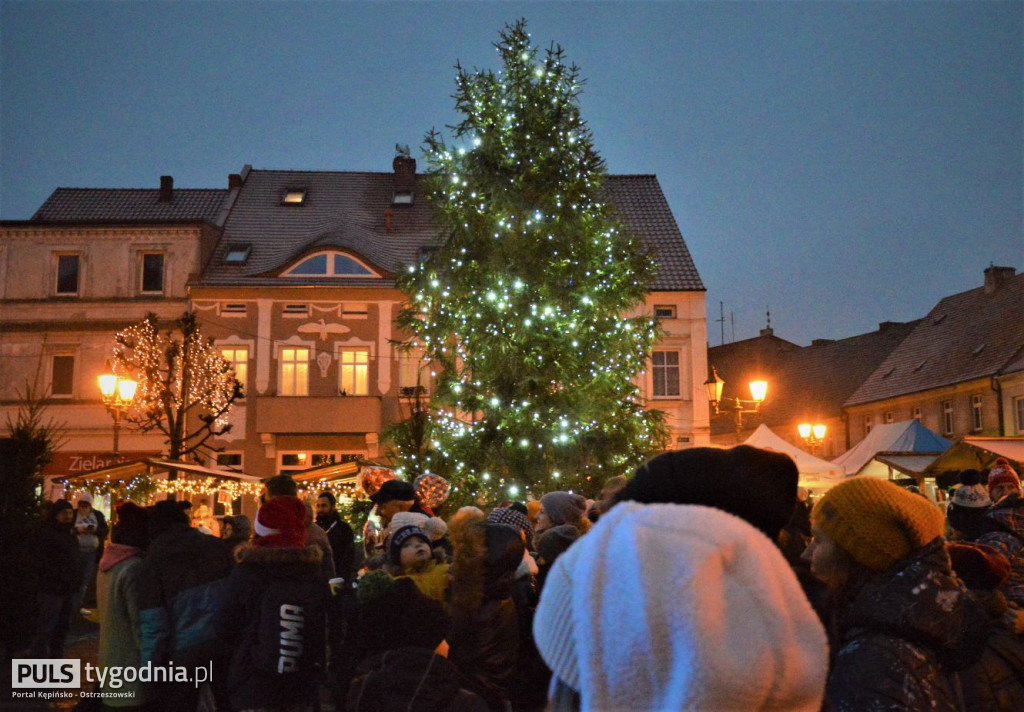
(903, 634)
(242, 621)
(342, 541)
(1005, 531)
(181, 582)
(484, 637)
(56, 557)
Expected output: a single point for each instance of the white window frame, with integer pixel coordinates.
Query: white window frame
(1018, 414)
(299, 366)
(656, 368)
(670, 309)
(143, 254)
(888, 417)
(977, 405)
(869, 423)
(78, 273)
(354, 373)
(915, 413)
(239, 467)
(948, 422)
(310, 457)
(241, 368)
(329, 267)
(232, 309)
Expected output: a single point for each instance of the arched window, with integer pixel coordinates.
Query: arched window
(330, 264)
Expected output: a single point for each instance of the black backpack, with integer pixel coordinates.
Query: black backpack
(291, 626)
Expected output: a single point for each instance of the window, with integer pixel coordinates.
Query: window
(238, 357)
(916, 413)
(294, 364)
(294, 196)
(237, 254)
(412, 373)
(1018, 412)
(296, 310)
(947, 417)
(62, 376)
(152, 272)
(976, 422)
(297, 461)
(233, 308)
(665, 372)
(353, 372)
(330, 264)
(869, 422)
(664, 311)
(232, 460)
(888, 417)
(67, 274)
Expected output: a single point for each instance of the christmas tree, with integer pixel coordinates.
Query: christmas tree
(530, 304)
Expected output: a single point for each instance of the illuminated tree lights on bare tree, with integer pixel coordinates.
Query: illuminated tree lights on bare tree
(186, 388)
(524, 305)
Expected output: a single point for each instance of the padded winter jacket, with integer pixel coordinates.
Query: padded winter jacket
(902, 634)
(1005, 524)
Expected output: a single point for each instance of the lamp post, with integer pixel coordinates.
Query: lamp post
(813, 435)
(118, 394)
(739, 406)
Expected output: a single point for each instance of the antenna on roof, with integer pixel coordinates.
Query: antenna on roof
(721, 319)
(768, 313)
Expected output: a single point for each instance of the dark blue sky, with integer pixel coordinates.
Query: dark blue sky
(844, 163)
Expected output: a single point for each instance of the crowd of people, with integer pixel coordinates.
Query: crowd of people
(706, 581)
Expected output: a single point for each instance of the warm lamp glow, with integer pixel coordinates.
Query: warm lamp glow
(714, 386)
(108, 384)
(758, 390)
(804, 429)
(819, 432)
(125, 389)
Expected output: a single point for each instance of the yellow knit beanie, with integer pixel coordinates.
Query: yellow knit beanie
(877, 522)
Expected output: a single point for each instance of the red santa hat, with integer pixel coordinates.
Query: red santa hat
(1002, 474)
(281, 522)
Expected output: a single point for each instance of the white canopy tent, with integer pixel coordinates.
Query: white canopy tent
(906, 437)
(815, 473)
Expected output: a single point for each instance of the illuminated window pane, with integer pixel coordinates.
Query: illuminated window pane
(353, 378)
(294, 372)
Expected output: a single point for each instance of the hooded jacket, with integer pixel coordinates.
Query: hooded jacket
(238, 624)
(117, 597)
(56, 557)
(902, 635)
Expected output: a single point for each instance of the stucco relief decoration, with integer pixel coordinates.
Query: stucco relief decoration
(322, 328)
(323, 360)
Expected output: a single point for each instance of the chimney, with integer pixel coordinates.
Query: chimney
(995, 277)
(767, 332)
(166, 189)
(234, 181)
(822, 342)
(405, 178)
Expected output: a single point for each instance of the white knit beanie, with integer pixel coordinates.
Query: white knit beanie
(666, 606)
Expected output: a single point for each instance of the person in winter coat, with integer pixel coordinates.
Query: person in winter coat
(117, 596)
(339, 534)
(903, 621)
(181, 582)
(90, 526)
(285, 486)
(59, 573)
(484, 636)
(273, 615)
(562, 508)
(965, 513)
(1004, 525)
(236, 531)
(678, 607)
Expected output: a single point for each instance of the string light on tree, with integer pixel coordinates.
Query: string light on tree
(519, 307)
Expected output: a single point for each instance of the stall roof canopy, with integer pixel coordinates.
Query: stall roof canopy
(978, 454)
(331, 471)
(129, 470)
(807, 464)
(883, 464)
(907, 436)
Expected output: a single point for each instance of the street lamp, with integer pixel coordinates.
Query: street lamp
(813, 435)
(118, 394)
(758, 392)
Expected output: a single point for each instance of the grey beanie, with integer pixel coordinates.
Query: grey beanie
(563, 507)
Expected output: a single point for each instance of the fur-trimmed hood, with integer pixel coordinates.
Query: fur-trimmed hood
(279, 556)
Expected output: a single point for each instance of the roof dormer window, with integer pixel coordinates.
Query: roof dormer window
(294, 196)
(330, 264)
(237, 254)
(402, 198)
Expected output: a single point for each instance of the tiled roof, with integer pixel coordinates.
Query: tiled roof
(803, 382)
(348, 210)
(110, 205)
(967, 336)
